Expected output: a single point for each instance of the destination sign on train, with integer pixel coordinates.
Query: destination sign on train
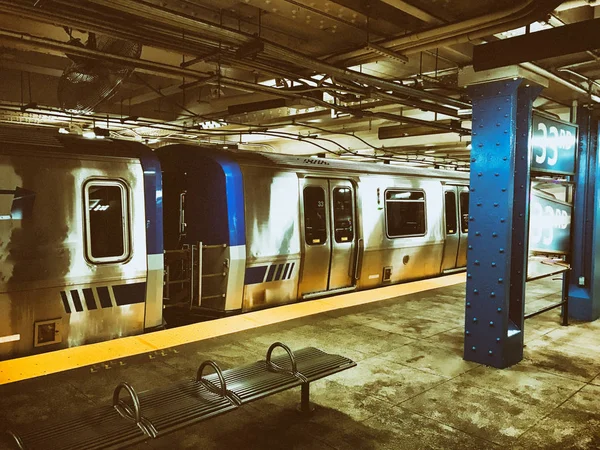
(554, 146)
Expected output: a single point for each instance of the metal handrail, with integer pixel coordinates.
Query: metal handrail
(212, 275)
(546, 309)
(271, 365)
(184, 280)
(122, 408)
(210, 246)
(222, 389)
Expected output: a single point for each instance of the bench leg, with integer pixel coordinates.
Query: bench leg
(305, 406)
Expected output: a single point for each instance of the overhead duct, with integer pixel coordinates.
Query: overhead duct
(163, 16)
(459, 32)
(397, 131)
(166, 22)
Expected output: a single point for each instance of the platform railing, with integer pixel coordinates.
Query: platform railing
(562, 265)
(565, 271)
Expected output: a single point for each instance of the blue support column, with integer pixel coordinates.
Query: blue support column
(498, 215)
(584, 288)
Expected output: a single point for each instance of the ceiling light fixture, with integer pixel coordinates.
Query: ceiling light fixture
(387, 53)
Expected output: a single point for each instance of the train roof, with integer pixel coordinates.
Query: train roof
(50, 141)
(188, 153)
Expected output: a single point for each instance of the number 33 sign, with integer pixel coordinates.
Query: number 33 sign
(549, 225)
(553, 146)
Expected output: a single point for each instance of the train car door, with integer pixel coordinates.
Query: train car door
(456, 226)
(452, 234)
(329, 236)
(463, 215)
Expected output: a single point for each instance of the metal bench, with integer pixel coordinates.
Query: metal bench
(157, 412)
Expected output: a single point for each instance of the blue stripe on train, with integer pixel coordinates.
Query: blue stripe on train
(125, 294)
(128, 294)
(153, 202)
(276, 272)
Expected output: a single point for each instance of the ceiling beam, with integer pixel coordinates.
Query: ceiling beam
(577, 37)
(414, 11)
(382, 10)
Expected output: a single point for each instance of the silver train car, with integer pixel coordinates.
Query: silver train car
(273, 229)
(81, 257)
(102, 238)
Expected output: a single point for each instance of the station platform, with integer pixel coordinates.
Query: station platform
(411, 388)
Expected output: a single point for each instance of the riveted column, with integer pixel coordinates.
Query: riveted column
(498, 224)
(584, 289)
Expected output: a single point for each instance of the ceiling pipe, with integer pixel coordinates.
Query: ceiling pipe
(347, 109)
(134, 32)
(459, 32)
(588, 80)
(282, 53)
(153, 68)
(62, 48)
(572, 4)
(161, 16)
(99, 25)
(559, 80)
(43, 44)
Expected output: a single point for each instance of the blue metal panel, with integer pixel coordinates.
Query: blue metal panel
(76, 300)
(234, 198)
(271, 273)
(214, 211)
(104, 296)
(255, 275)
(498, 207)
(88, 296)
(128, 294)
(153, 203)
(65, 302)
(584, 300)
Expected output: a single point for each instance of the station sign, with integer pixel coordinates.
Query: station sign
(553, 145)
(549, 225)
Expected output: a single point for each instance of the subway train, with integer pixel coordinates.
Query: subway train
(102, 238)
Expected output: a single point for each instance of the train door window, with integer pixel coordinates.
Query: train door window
(464, 212)
(405, 213)
(315, 228)
(343, 215)
(450, 205)
(107, 221)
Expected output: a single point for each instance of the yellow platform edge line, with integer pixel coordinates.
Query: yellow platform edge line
(20, 369)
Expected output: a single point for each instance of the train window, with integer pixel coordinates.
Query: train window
(450, 204)
(107, 221)
(405, 213)
(343, 214)
(464, 212)
(315, 228)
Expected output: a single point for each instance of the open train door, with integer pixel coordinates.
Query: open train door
(329, 236)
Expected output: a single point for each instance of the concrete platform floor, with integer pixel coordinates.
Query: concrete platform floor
(410, 390)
